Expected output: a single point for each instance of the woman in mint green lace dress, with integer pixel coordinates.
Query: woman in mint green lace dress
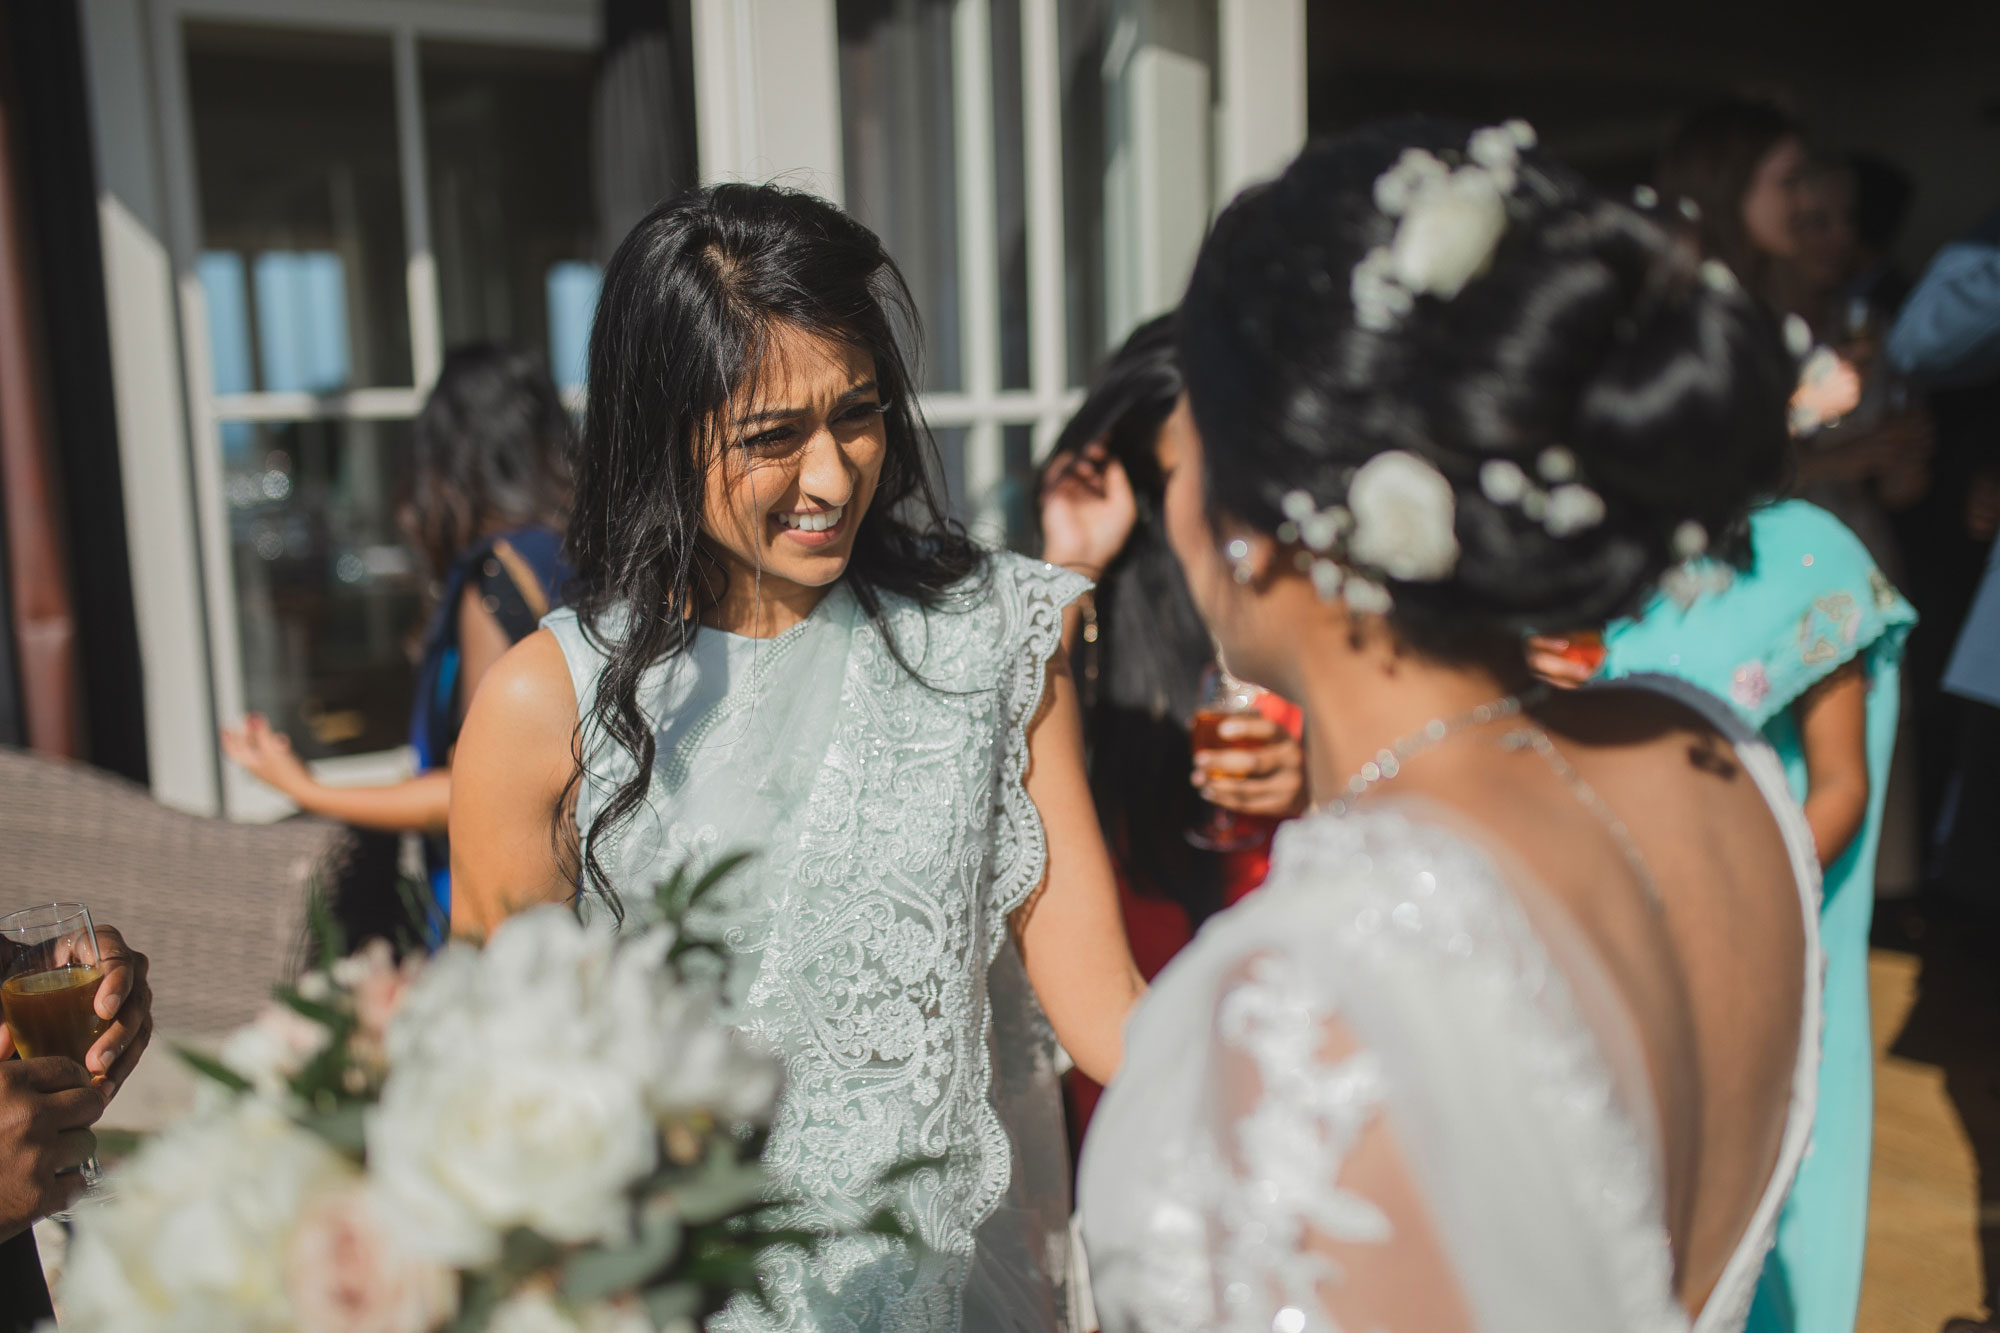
(779, 644)
(1807, 645)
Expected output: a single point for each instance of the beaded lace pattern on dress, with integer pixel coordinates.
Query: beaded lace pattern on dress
(1223, 1228)
(867, 958)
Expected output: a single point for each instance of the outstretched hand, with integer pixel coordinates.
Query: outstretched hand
(1088, 510)
(267, 753)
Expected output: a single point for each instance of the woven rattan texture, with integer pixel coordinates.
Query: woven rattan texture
(219, 908)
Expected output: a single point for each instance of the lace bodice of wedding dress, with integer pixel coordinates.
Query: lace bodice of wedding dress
(1399, 1047)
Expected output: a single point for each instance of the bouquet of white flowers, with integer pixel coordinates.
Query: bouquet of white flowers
(551, 1132)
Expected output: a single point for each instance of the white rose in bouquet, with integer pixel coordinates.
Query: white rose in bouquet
(652, 1022)
(270, 1050)
(194, 1237)
(346, 1275)
(530, 1080)
(469, 1148)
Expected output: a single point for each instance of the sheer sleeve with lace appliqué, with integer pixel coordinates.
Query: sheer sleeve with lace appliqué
(1369, 1101)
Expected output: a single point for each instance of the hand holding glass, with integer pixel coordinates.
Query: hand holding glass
(50, 970)
(1224, 697)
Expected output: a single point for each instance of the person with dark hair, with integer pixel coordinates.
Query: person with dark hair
(1520, 1033)
(1737, 170)
(489, 484)
(1849, 284)
(1141, 664)
(780, 645)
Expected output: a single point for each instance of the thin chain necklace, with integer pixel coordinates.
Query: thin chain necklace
(1387, 763)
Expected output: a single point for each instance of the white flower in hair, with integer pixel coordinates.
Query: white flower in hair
(1496, 149)
(1717, 276)
(1366, 598)
(1378, 300)
(1404, 512)
(1503, 481)
(1448, 234)
(1572, 509)
(1690, 540)
(1398, 187)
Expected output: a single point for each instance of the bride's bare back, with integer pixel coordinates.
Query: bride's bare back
(1713, 982)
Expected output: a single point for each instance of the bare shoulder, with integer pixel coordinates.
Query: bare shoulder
(526, 706)
(1649, 726)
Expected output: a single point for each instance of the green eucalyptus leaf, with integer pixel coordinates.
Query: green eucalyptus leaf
(328, 1017)
(341, 1127)
(523, 1250)
(480, 1295)
(596, 1273)
(722, 1186)
(674, 1300)
(210, 1067)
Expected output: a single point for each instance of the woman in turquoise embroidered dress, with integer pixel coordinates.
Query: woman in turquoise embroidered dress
(1806, 644)
(779, 644)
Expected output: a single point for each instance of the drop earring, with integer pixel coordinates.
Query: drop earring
(1239, 561)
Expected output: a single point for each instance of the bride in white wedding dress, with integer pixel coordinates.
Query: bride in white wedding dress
(1521, 1033)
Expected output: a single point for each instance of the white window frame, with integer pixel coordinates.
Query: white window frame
(403, 23)
(759, 130)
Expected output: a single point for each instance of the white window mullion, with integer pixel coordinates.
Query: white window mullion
(1041, 102)
(978, 257)
(420, 267)
(225, 661)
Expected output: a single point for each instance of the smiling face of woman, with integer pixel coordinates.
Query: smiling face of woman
(1775, 197)
(801, 450)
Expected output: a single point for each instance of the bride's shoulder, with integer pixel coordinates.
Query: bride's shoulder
(1392, 877)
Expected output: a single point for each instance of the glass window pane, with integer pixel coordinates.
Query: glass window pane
(1083, 33)
(1010, 197)
(513, 216)
(327, 595)
(1015, 502)
(302, 249)
(896, 126)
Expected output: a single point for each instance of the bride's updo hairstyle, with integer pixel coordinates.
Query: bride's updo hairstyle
(1601, 404)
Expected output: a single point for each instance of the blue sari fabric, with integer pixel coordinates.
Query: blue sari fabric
(1812, 602)
(435, 714)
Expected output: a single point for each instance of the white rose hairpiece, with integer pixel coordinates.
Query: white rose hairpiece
(1553, 497)
(1450, 220)
(1398, 523)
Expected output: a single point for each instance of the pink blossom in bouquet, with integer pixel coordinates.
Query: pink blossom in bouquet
(345, 1275)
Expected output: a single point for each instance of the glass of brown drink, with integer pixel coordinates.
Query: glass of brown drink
(1223, 697)
(49, 973)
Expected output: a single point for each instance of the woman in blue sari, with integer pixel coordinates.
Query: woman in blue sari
(488, 488)
(1806, 644)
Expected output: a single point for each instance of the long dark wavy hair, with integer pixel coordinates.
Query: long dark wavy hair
(689, 301)
(491, 446)
(1151, 646)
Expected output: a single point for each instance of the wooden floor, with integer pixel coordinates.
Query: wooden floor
(1934, 1215)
